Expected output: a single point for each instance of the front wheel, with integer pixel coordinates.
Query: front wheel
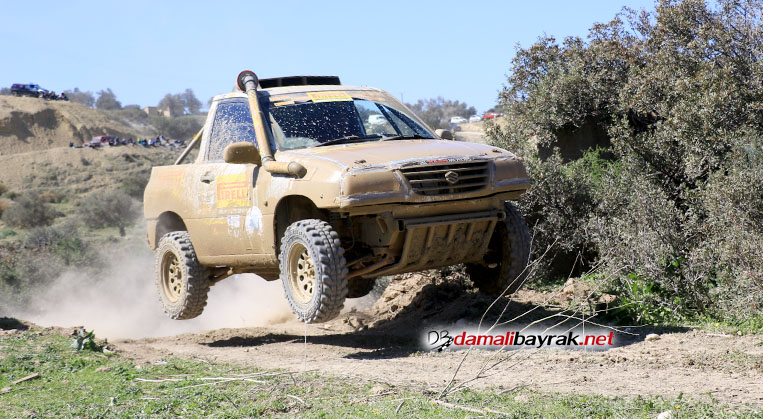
(504, 267)
(182, 281)
(313, 271)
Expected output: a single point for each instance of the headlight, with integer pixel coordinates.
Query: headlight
(370, 183)
(508, 169)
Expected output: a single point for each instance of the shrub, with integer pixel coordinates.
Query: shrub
(558, 208)
(28, 211)
(52, 197)
(135, 183)
(64, 242)
(3, 189)
(4, 205)
(110, 209)
(671, 210)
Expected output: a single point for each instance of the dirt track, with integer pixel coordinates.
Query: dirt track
(701, 365)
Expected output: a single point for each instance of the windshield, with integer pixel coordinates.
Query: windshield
(322, 118)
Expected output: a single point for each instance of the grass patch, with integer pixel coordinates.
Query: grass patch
(93, 384)
(749, 326)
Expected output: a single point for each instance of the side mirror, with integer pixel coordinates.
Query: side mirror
(242, 153)
(444, 134)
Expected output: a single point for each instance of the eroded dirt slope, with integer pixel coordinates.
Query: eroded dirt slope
(29, 124)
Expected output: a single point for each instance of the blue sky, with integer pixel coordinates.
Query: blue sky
(145, 49)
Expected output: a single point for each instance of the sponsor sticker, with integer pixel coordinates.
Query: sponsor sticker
(233, 191)
(169, 176)
(333, 96)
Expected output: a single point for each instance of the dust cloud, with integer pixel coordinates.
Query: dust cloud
(122, 302)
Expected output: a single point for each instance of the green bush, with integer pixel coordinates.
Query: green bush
(110, 209)
(31, 264)
(671, 209)
(64, 242)
(8, 274)
(3, 189)
(134, 184)
(28, 211)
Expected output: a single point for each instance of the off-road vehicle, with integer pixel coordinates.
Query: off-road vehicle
(31, 89)
(327, 187)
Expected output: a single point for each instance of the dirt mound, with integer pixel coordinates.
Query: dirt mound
(433, 298)
(417, 297)
(29, 124)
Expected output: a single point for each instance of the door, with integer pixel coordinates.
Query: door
(224, 192)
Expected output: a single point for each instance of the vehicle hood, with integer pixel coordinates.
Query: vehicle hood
(396, 151)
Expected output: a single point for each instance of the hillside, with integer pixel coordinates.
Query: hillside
(80, 170)
(30, 124)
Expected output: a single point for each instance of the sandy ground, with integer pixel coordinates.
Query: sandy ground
(380, 346)
(471, 132)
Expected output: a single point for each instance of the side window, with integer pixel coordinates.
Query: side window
(233, 124)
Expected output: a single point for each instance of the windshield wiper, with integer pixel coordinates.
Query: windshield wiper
(406, 137)
(347, 139)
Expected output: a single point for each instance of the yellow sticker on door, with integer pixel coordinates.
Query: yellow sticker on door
(232, 191)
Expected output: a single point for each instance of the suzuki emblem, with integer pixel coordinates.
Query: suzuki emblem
(451, 177)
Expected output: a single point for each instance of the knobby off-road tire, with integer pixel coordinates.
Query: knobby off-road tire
(508, 253)
(313, 270)
(182, 281)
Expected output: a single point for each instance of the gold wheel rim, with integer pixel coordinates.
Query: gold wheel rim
(301, 274)
(171, 277)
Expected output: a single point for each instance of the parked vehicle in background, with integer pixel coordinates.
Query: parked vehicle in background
(31, 90)
(475, 118)
(101, 140)
(457, 120)
(492, 115)
(377, 119)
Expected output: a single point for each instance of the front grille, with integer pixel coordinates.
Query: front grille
(438, 179)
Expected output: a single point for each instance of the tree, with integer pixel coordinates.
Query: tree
(173, 103)
(84, 98)
(192, 104)
(107, 100)
(437, 112)
(181, 103)
(111, 209)
(5, 91)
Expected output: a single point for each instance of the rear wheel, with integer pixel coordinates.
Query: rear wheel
(313, 271)
(183, 283)
(503, 270)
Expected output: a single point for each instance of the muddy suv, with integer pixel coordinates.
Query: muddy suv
(327, 187)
